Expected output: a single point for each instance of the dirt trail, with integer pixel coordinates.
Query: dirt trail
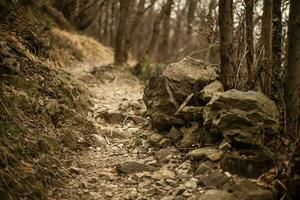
(117, 112)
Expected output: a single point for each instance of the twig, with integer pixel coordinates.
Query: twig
(238, 69)
(255, 66)
(173, 100)
(281, 98)
(186, 101)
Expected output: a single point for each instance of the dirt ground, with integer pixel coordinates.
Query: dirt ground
(117, 112)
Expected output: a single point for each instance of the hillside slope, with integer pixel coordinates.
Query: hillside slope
(43, 110)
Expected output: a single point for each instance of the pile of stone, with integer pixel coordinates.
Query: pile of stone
(187, 97)
(189, 107)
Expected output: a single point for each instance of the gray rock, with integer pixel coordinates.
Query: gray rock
(209, 152)
(155, 138)
(95, 195)
(214, 180)
(134, 167)
(246, 190)
(192, 113)
(174, 134)
(164, 173)
(224, 146)
(204, 168)
(214, 195)
(166, 92)
(164, 154)
(99, 141)
(191, 184)
(247, 163)
(241, 116)
(208, 91)
(159, 140)
(191, 135)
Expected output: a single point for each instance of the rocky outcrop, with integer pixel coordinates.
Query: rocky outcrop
(241, 116)
(208, 91)
(179, 84)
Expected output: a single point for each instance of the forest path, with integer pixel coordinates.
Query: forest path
(117, 112)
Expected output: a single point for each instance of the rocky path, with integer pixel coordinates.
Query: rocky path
(122, 164)
(118, 114)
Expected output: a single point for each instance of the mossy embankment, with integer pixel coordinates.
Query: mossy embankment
(43, 110)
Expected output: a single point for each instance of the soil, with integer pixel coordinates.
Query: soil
(92, 174)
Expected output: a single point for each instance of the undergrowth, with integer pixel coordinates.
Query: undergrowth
(42, 109)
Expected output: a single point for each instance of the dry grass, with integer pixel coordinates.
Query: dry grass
(78, 47)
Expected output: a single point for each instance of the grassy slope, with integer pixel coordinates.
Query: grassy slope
(42, 109)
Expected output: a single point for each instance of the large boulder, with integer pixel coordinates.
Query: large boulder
(210, 90)
(242, 117)
(166, 92)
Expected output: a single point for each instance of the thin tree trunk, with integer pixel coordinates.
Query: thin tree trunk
(164, 44)
(292, 94)
(249, 38)
(277, 38)
(112, 22)
(121, 54)
(106, 24)
(192, 5)
(267, 36)
(156, 28)
(226, 38)
(177, 30)
(135, 23)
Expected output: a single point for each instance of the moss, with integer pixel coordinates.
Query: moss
(8, 129)
(5, 196)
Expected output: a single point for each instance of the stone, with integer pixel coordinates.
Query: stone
(192, 113)
(170, 197)
(247, 163)
(155, 138)
(134, 167)
(191, 135)
(165, 142)
(224, 146)
(164, 173)
(209, 152)
(99, 141)
(247, 190)
(204, 168)
(165, 92)
(95, 195)
(75, 170)
(163, 122)
(241, 116)
(191, 184)
(174, 134)
(208, 91)
(164, 154)
(214, 195)
(53, 107)
(214, 180)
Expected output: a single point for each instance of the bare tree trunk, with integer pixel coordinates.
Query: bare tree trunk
(164, 44)
(176, 42)
(277, 38)
(267, 36)
(292, 94)
(249, 38)
(156, 28)
(106, 24)
(121, 53)
(192, 5)
(112, 22)
(226, 38)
